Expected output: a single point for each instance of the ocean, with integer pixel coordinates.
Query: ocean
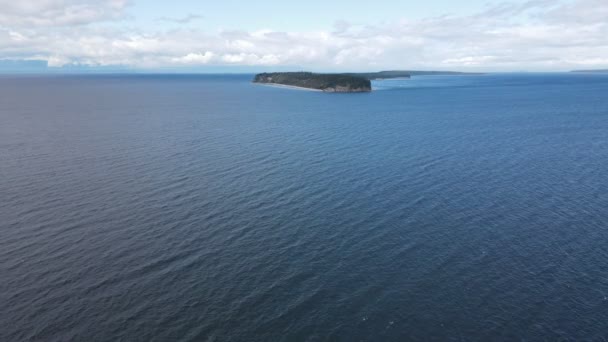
(207, 208)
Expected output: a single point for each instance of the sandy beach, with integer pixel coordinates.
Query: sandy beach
(288, 87)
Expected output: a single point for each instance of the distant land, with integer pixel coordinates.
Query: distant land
(382, 74)
(407, 74)
(592, 71)
(340, 83)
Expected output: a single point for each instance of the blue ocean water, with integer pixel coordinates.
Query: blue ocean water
(206, 208)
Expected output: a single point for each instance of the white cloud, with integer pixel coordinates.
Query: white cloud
(182, 20)
(582, 12)
(469, 60)
(57, 61)
(536, 34)
(251, 59)
(52, 13)
(195, 58)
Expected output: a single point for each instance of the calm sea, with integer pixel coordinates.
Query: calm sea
(206, 208)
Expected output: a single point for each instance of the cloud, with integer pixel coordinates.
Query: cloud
(57, 61)
(511, 9)
(536, 34)
(54, 13)
(183, 20)
(581, 12)
(194, 58)
(469, 60)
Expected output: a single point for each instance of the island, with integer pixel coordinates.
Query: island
(329, 83)
(341, 83)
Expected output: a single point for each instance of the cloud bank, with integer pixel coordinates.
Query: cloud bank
(53, 13)
(534, 35)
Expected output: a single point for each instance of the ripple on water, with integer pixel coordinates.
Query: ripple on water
(181, 211)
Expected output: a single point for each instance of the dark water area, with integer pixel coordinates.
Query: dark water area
(206, 208)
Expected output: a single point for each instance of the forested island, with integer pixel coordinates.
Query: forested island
(331, 83)
(339, 83)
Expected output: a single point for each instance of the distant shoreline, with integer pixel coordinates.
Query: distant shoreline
(600, 71)
(390, 78)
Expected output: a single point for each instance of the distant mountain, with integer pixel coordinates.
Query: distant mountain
(592, 71)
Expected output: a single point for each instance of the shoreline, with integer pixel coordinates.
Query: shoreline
(391, 78)
(278, 85)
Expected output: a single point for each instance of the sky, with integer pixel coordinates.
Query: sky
(315, 35)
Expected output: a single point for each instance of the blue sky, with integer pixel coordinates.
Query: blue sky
(317, 35)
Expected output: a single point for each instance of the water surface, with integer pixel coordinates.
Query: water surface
(206, 208)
